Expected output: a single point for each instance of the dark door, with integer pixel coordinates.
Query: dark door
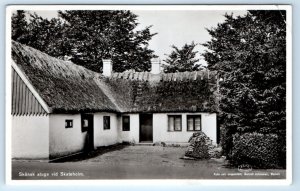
(146, 129)
(87, 125)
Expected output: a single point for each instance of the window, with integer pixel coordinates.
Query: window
(106, 122)
(87, 122)
(194, 122)
(84, 124)
(174, 123)
(68, 123)
(126, 123)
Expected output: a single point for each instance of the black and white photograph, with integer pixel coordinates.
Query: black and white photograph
(148, 92)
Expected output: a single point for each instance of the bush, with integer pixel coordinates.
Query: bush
(215, 152)
(258, 150)
(226, 140)
(199, 146)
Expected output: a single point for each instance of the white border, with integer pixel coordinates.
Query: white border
(148, 7)
(289, 93)
(286, 181)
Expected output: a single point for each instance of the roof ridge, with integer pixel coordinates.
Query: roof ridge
(172, 76)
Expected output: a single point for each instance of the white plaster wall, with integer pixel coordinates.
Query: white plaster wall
(161, 133)
(30, 137)
(132, 135)
(209, 125)
(108, 136)
(64, 141)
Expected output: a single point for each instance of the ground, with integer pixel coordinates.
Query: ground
(134, 162)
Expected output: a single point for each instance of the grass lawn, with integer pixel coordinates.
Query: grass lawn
(135, 162)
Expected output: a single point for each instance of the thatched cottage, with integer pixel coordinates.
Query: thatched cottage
(59, 108)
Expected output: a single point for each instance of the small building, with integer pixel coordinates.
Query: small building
(60, 108)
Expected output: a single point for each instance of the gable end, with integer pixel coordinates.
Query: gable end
(23, 100)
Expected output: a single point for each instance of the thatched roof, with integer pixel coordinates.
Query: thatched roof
(178, 76)
(67, 87)
(172, 92)
(64, 86)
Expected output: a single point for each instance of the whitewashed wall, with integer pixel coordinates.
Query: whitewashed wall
(133, 135)
(65, 141)
(30, 137)
(108, 136)
(160, 128)
(35, 137)
(209, 125)
(161, 133)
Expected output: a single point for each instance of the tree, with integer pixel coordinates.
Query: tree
(108, 34)
(87, 37)
(19, 26)
(249, 54)
(48, 36)
(181, 60)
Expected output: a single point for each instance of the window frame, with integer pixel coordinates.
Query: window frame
(104, 126)
(174, 116)
(67, 123)
(123, 117)
(194, 126)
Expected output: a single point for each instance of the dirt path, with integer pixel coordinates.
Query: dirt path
(133, 162)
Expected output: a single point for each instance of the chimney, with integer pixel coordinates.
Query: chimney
(155, 65)
(107, 67)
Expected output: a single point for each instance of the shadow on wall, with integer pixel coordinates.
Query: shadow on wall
(88, 144)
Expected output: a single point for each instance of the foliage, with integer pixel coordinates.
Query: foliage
(249, 53)
(48, 36)
(258, 150)
(181, 60)
(198, 147)
(18, 25)
(87, 37)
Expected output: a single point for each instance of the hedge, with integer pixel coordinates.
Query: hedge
(258, 150)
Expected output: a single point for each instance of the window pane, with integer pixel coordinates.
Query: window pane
(190, 124)
(171, 123)
(177, 124)
(68, 123)
(106, 122)
(197, 123)
(85, 123)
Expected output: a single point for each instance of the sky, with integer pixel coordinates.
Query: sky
(174, 27)
(180, 27)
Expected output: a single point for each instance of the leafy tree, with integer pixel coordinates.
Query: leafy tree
(181, 60)
(19, 26)
(108, 34)
(48, 36)
(249, 52)
(87, 37)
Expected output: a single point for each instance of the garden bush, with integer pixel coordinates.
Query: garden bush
(257, 150)
(201, 147)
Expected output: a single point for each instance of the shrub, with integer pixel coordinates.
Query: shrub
(215, 152)
(199, 146)
(226, 140)
(258, 150)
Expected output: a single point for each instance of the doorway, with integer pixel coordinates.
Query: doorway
(146, 128)
(87, 124)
